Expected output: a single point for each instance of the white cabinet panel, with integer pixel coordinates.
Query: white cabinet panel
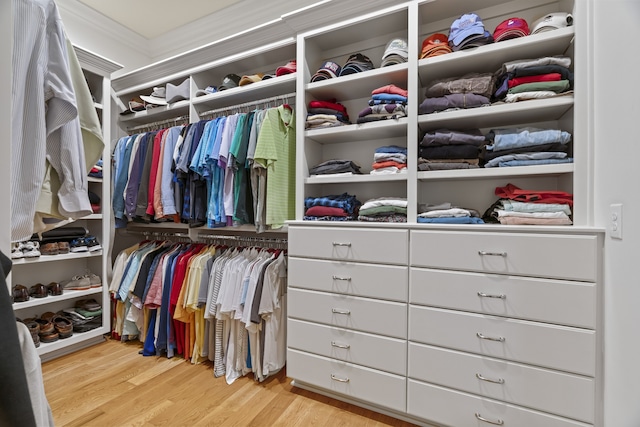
(541, 255)
(548, 300)
(387, 354)
(457, 409)
(369, 385)
(549, 391)
(552, 346)
(367, 280)
(362, 314)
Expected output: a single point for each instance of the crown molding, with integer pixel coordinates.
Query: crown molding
(330, 11)
(95, 63)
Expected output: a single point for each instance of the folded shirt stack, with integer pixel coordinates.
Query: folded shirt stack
(542, 77)
(96, 170)
(384, 209)
(335, 167)
(526, 146)
(444, 149)
(468, 91)
(387, 102)
(389, 159)
(446, 213)
(323, 114)
(341, 207)
(530, 207)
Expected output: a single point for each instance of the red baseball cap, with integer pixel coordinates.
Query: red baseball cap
(288, 68)
(510, 29)
(435, 44)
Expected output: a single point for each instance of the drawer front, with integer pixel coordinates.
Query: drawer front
(551, 346)
(547, 300)
(361, 314)
(365, 384)
(562, 394)
(387, 354)
(387, 282)
(454, 408)
(376, 245)
(572, 257)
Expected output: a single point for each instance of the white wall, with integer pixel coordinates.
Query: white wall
(617, 140)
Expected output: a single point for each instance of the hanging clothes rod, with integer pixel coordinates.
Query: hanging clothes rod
(158, 125)
(255, 103)
(160, 235)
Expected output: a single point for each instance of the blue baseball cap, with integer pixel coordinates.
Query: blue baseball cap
(467, 25)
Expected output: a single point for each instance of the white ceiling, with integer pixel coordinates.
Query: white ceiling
(151, 18)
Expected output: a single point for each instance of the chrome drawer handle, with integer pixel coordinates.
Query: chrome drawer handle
(502, 254)
(498, 381)
(340, 311)
(348, 279)
(484, 337)
(341, 244)
(335, 344)
(483, 295)
(342, 380)
(497, 422)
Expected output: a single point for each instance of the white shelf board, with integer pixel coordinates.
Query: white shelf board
(500, 114)
(76, 338)
(66, 295)
(98, 106)
(350, 179)
(158, 113)
(56, 258)
(500, 172)
(359, 85)
(489, 58)
(250, 93)
(360, 132)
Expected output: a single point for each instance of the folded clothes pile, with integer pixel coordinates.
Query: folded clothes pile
(468, 91)
(389, 159)
(341, 207)
(384, 209)
(86, 315)
(446, 213)
(442, 149)
(335, 167)
(323, 114)
(387, 102)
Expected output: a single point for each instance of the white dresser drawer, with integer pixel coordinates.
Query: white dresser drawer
(565, 256)
(377, 245)
(365, 384)
(387, 354)
(547, 300)
(541, 344)
(361, 314)
(549, 391)
(388, 282)
(458, 409)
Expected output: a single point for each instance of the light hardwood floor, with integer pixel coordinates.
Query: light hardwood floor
(111, 385)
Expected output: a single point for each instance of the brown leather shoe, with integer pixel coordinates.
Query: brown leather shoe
(63, 247)
(38, 291)
(20, 293)
(46, 327)
(50, 337)
(55, 288)
(49, 248)
(63, 326)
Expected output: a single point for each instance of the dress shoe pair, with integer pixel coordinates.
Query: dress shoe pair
(54, 248)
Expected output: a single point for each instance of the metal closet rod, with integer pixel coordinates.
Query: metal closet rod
(159, 234)
(254, 103)
(158, 125)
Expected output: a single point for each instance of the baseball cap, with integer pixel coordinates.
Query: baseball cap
(136, 104)
(328, 70)
(229, 81)
(510, 29)
(288, 68)
(356, 63)
(467, 25)
(552, 21)
(396, 52)
(206, 91)
(435, 44)
(246, 80)
(157, 97)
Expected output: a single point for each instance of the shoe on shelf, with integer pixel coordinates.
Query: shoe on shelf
(16, 250)
(78, 245)
(50, 248)
(55, 288)
(63, 247)
(92, 243)
(76, 283)
(94, 279)
(63, 326)
(31, 249)
(20, 293)
(38, 291)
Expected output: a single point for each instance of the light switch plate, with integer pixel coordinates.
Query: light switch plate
(615, 221)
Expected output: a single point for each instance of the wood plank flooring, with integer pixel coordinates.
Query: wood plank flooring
(111, 385)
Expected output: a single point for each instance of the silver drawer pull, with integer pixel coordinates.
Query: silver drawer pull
(341, 244)
(340, 311)
(342, 380)
(502, 254)
(483, 295)
(348, 279)
(484, 337)
(483, 378)
(335, 344)
(497, 422)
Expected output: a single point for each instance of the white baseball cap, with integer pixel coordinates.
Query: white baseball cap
(552, 21)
